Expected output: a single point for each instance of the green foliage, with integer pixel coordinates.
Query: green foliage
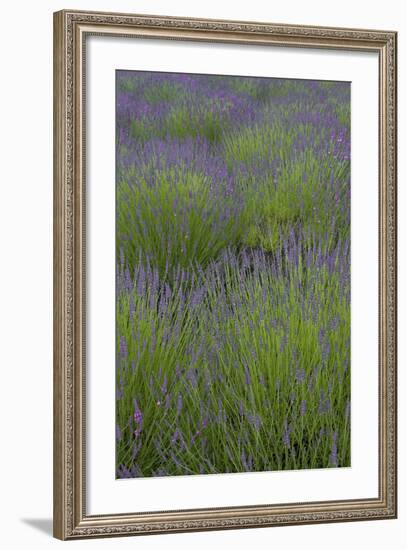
(254, 144)
(176, 221)
(165, 92)
(182, 123)
(264, 367)
(265, 90)
(300, 195)
(343, 114)
(126, 84)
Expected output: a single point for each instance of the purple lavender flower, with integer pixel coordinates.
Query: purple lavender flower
(300, 375)
(138, 418)
(179, 404)
(333, 459)
(286, 434)
(347, 409)
(164, 385)
(247, 376)
(119, 434)
(123, 347)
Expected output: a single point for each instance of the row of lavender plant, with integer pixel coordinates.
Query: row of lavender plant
(233, 312)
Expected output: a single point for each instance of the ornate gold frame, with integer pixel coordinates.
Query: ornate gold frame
(70, 31)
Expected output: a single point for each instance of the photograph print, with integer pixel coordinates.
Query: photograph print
(232, 274)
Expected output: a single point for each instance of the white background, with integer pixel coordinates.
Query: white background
(25, 300)
(105, 494)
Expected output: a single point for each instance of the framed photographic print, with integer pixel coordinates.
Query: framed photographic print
(225, 274)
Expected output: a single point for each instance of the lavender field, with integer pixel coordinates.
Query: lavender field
(233, 274)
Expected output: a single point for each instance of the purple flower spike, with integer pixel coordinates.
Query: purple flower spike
(118, 433)
(286, 435)
(138, 418)
(300, 375)
(123, 347)
(247, 376)
(164, 385)
(333, 459)
(347, 409)
(179, 404)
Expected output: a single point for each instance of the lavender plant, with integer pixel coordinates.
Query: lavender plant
(233, 274)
